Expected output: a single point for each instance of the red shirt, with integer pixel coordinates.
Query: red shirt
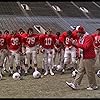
(58, 43)
(96, 38)
(14, 42)
(88, 47)
(47, 41)
(66, 40)
(74, 34)
(31, 40)
(2, 42)
(23, 35)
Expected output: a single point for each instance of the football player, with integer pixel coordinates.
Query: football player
(47, 42)
(30, 42)
(70, 50)
(58, 49)
(14, 44)
(6, 33)
(96, 37)
(23, 35)
(3, 50)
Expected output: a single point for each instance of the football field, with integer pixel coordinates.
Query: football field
(45, 87)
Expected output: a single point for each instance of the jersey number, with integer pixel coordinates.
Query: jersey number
(67, 40)
(31, 40)
(48, 41)
(14, 41)
(1, 42)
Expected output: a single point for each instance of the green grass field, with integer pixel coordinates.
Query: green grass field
(45, 87)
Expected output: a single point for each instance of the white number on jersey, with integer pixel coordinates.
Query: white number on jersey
(14, 41)
(48, 41)
(1, 42)
(31, 40)
(67, 40)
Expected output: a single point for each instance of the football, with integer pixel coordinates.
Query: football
(98, 73)
(59, 68)
(74, 73)
(16, 76)
(36, 74)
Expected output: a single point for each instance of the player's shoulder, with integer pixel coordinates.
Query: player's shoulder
(89, 36)
(42, 35)
(63, 34)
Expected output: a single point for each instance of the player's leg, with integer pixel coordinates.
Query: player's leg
(73, 58)
(61, 57)
(17, 61)
(26, 65)
(2, 56)
(66, 58)
(50, 62)
(11, 61)
(5, 61)
(34, 59)
(45, 57)
(54, 57)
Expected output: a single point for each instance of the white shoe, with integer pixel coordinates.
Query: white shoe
(94, 88)
(52, 73)
(46, 73)
(71, 85)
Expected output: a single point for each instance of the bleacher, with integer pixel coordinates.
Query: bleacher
(94, 11)
(39, 9)
(40, 13)
(68, 10)
(10, 8)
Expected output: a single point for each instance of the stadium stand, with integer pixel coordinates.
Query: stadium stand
(68, 10)
(94, 11)
(39, 9)
(40, 13)
(10, 8)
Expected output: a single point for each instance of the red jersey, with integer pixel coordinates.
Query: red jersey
(58, 43)
(47, 41)
(88, 47)
(31, 40)
(2, 42)
(96, 39)
(66, 40)
(74, 34)
(23, 35)
(14, 42)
